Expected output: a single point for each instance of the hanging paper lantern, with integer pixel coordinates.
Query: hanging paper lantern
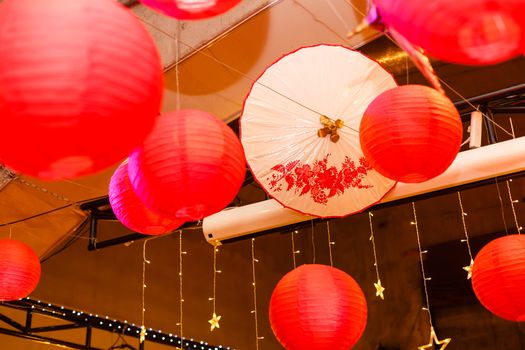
(191, 166)
(411, 133)
(191, 9)
(498, 277)
(131, 212)
(318, 307)
(19, 270)
(473, 32)
(81, 85)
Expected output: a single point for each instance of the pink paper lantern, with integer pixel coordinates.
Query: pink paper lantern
(131, 212)
(19, 270)
(191, 9)
(191, 166)
(498, 277)
(411, 133)
(81, 85)
(318, 307)
(471, 32)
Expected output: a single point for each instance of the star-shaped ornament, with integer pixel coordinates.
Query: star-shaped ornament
(142, 334)
(214, 322)
(469, 269)
(379, 289)
(434, 340)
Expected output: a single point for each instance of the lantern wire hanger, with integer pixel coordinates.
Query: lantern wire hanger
(379, 288)
(214, 321)
(433, 337)
(254, 311)
(466, 240)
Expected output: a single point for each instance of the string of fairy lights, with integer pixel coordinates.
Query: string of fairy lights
(466, 240)
(512, 202)
(433, 337)
(214, 321)
(258, 338)
(380, 290)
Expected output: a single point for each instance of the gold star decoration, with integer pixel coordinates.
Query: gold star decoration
(214, 321)
(142, 334)
(434, 340)
(379, 289)
(469, 269)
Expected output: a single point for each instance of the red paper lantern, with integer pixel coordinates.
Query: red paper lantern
(473, 32)
(19, 270)
(191, 166)
(498, 277)
(131, 212)
(191, 9)
(81, 85)
(318, 307)
(411, 133)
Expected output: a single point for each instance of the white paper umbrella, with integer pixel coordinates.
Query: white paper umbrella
(281, 120)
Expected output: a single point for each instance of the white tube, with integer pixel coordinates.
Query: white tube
(470, 166)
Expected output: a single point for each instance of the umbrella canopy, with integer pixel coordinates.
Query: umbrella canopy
(299, 129)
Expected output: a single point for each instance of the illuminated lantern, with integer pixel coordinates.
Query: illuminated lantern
(131, 212)
(191, 9)
(411, 133)
(191, 166)
(19, 270)
(498, 277)
(318, 307)
(472, 32)
(81, 85)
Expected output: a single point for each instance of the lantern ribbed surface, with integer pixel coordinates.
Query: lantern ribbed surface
(191, 9)
(411, 133)
(19, 270)
(498, 277)
(191, 166)
(81, 85)
(318, 307)
(131, 212)
(472, 32)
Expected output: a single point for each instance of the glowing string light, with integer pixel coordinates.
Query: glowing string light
(467, 268)
(254, 311)
(433, 337)
(380, 290)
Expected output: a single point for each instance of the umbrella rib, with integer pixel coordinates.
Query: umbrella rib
(300, 104)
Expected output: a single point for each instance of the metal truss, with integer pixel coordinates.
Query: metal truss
(80, 320)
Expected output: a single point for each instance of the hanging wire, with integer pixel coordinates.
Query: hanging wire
(43, 190)
(181, 298)
(378, 285)
(330, 243)
(145, 261)
(177, 72)
(313, 241)
(501, 206)
(293, 249)
(425, 278)
(254, 311)
(512, 201)
(214, 321)
(463, 220)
